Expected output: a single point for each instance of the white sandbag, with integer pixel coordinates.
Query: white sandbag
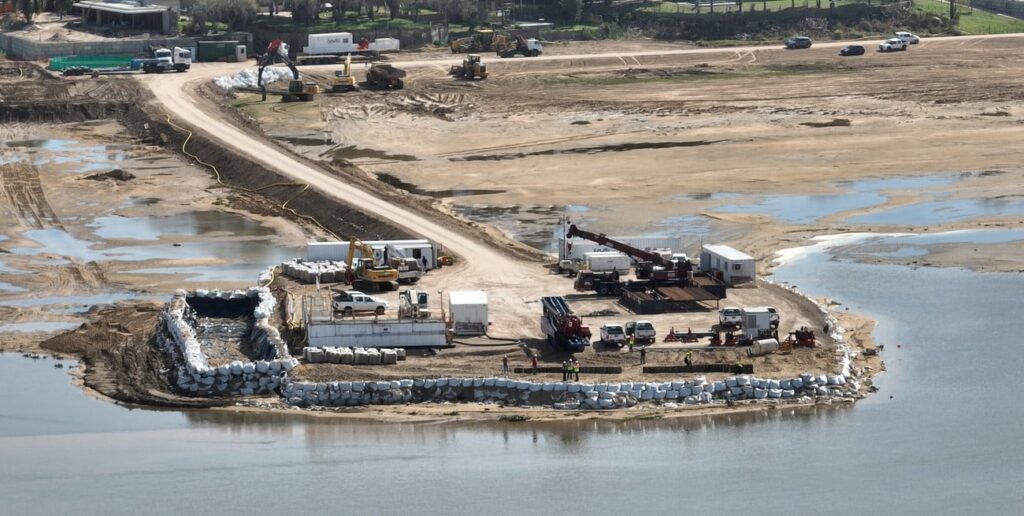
(774, 393)
(613, 387)
(736, 391)
(672, 395)
(659, 394)
(561, 386)
(441, 382)
(836, 379)
(678, 385)
(786, 384)
(605, 404)
(788, 393)
(760, 394)
(535, 387)
(605, 395)
(731, 382)
(478, 382)
(547, 387)
(696, 389)
(743, 381)
(705, 397)
(647, 395)
(600, 387)
(685, 391)
(718, 386)
(489, 382)
(429, 383)
(501, 382)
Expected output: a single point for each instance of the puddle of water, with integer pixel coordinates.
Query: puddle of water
(835, 122)
(806, 209)
(622, 147)
(352, 152)
(13, 289)
(437, 194)
(78, 303)
(248, 256)
(941, 212)
(38, 326)
(52, 144)
(306, 141)
(536, 226)
(183, 224)
(707, 196)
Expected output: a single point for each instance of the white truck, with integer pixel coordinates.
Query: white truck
(730, 317)
(893, 44)
(613, 335)
(570, 267)
(168, 60)
(607, 261)
(641, 331)
(352, 301)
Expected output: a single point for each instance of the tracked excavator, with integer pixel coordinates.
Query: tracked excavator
(298, 89)
(365, 270)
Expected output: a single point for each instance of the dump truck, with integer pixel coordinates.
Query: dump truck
(563, 328)
(385, 76)
(471, 69)
(519, 45)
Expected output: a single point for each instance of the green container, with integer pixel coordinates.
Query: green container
(59, 64)
(216, 51)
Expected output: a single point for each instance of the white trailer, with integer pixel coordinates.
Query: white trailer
(603, 261)
(727, 264)
(757, 323)
(424, 251)
(467, 311)
(331, 43)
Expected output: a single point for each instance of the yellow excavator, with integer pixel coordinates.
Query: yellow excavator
(365, 270)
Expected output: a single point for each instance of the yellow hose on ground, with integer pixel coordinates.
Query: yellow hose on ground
(221, 182)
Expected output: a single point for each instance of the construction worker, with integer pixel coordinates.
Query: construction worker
(533, 360)
(689, 360)
(576, 368)
(504, 364)
(630, 342)
(643, 355)
(565, 371)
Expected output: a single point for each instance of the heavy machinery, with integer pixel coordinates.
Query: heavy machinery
(605, 283)
(276, 51)
(519, 45)
(563, 328)
(365, 270)
(649, 265)
(385, 76)
(471, 69)
(343, 79)
(485, 40)
(168, 60)
(410, 270)
(413, 304)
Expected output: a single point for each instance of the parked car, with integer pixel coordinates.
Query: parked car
(909, 37)
(613, 335)
(852, 50)
(893, 44)
(799, 42)
(353, 301)
(730, 316)
(642, 331)
(773, 316)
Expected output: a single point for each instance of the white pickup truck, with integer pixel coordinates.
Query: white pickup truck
(613, 335)
(642, 331)
(730, 317)
(353, 301)
(893, 44)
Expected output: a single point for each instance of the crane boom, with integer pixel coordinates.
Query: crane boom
(639, 254)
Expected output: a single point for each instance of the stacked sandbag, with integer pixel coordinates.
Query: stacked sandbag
(195, 376)
(354, 356)
(325, 271)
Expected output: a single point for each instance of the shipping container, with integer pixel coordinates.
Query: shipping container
(331, 43)
(603, 261)
(223, 51)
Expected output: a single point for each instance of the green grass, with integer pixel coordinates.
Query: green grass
(978, 22)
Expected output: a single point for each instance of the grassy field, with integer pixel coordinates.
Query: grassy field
(978, 22)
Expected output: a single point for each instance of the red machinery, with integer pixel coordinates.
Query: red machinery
(563, 327)
(645, 260)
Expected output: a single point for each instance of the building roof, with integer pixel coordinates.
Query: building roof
(122, 8)
(727, 252)
(467, 297)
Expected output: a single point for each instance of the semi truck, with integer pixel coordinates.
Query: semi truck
(563, 328)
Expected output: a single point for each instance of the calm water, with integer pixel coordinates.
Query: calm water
(946, 443)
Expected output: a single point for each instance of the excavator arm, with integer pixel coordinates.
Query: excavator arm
(275, 51)
(639, 254)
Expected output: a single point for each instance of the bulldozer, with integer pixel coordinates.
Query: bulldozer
(471, 69)
(365, 270)
(343, 79)
(384, 76)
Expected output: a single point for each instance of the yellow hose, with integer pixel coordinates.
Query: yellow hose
(221, 182)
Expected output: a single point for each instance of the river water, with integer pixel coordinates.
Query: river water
(942, 436)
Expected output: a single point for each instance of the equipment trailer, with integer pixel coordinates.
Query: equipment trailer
(563, 328)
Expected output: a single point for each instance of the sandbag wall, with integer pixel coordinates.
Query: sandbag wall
(195, 376)
(353, 356)
(566, 395)
(325, 271)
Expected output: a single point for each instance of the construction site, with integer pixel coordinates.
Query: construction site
(464, 228)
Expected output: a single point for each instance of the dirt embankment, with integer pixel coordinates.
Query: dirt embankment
(122, 359)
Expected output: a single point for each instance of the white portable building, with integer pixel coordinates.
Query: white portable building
(728, 264)
(756, 320)
(385, 45)
(330, 43)
(338, 251)
(467, 310)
